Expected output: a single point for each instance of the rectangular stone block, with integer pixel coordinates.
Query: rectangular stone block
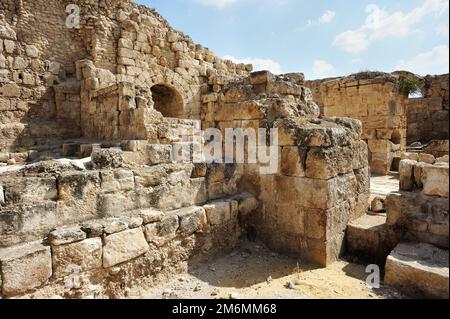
(406, 172)
(293, 161)
(218, 213)
(24, 267)
(124, 246)
(315, 193)
(159, 154)
(192, 219)
(420, 270)
(435, 180)
(328, 163)
(77, 257)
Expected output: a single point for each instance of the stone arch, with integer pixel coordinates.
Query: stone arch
(167, 100)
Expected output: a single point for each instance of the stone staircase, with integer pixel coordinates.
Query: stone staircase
(409, 240)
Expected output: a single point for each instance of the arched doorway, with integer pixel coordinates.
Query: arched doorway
(167, 101)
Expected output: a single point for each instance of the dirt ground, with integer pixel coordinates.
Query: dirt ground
(254, 272)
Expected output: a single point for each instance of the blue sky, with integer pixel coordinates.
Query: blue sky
(318, 38)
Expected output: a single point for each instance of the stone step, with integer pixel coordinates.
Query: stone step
(418, 269)
(368, 240)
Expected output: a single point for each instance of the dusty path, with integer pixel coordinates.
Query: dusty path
(252, 271)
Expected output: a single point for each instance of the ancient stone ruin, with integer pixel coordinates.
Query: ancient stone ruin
(91, 200)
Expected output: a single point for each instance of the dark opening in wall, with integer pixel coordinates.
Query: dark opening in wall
(396, 137)
(167, 101)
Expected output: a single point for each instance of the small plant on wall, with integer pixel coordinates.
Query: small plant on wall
(409, 86)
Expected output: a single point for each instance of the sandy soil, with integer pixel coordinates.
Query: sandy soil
(253, 271)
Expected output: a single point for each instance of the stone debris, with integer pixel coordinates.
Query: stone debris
(91, 120)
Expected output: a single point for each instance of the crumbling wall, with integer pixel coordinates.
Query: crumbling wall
(124, 42)
(37, 51)
(322, 178)
(111, 220)
(428, 115)
(374, 99)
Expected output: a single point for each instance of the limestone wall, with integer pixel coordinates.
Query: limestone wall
(419, 212)
(375, 100)
(59, 220)
(322, 181)
(428, 116)
(124, 42)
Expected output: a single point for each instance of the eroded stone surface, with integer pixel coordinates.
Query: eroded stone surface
(124, 246)
(24, 267)
(419, 269)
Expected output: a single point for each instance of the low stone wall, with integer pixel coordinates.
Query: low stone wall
(105, 227)
(428, 116)
(420, 211)
(101, 257)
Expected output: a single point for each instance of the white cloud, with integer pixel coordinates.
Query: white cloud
(327, 17)
(322, 69)
(432, 62)
(258, 63)
(381, 24)
(216, 3)
(352, 41)
(442, 30)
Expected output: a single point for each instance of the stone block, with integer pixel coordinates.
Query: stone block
(151, 216)
(435, 180)
(159, 154)
(191, 219)
(24, 267)
(420, 270)
(293, 161)
(162, 232)
(124, 246)
(77, 257)
(328, 163)
(218, 213)
(426, 158)
(406, 172)
(367, 238)
(107, 158)
(66, 235)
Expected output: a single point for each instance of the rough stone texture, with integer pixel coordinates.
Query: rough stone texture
(125, 89)
(24, 267)
(435, 180)
(378, 205)
(64, 236)
(367, 239)
(77, 257)
(417, 217)
(375, 99)
(406, 172)
(428, 116)
(124, 246)
(419, 269)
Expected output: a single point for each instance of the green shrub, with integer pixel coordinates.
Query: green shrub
(21, 150)
(409, 86)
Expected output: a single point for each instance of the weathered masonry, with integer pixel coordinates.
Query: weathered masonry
(90, 200)
(391, 120)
